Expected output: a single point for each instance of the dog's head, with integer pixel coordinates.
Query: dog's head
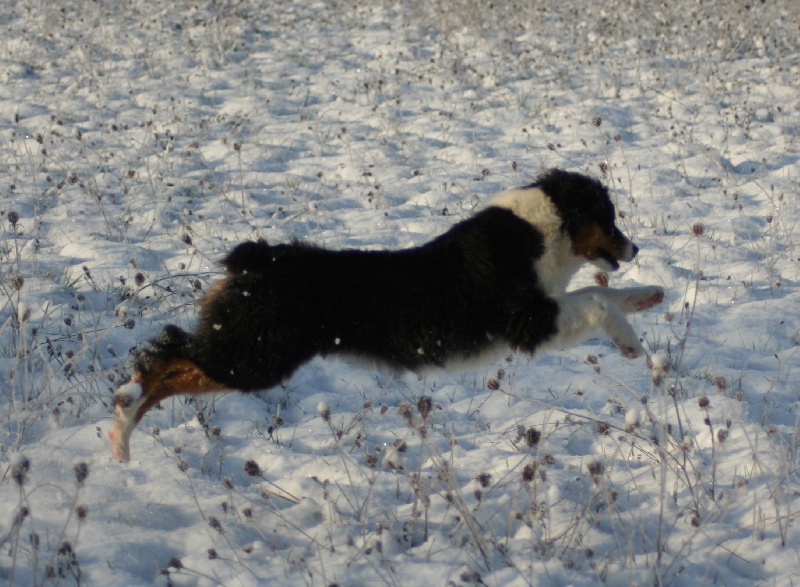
(588, 218)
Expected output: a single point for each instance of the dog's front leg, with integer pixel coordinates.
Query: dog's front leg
(582, 312)
(627, 299)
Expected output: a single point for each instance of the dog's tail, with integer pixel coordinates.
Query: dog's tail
(165, 368)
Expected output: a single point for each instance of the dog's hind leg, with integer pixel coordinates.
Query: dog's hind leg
(164, 369)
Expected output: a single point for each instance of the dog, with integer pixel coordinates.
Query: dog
(493, 282)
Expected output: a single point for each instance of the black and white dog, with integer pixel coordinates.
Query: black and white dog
(494, 282)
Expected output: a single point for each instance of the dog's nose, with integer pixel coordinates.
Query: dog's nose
(635, 249)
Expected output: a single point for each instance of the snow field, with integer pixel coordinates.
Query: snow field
(140, 141)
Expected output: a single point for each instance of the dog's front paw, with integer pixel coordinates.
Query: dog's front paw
(656, 297)
(626, 340)
(642, 298)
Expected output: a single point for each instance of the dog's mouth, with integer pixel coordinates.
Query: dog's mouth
(604, 248)
(610, 259)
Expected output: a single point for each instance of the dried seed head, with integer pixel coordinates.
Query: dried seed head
(252, 468)
(20, 465)
(722, 435)
(493, 384)
(214, 523)
(703, 402)
(17, 281)
(529, 471)
(81, 512)
(720, 383)
(13, 218)
(81, 472)
(20, 516)
(485, 479)
(597, 121)
(601, 278)
(471, 577)
(698, 229)
(424, 405)
(596, 469)
(324, 411)
(212, 553)
(405, 411)
(532, 436)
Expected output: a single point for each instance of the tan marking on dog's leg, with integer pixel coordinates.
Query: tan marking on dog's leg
(132, 401)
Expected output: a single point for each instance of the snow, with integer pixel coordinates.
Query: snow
(139, 141)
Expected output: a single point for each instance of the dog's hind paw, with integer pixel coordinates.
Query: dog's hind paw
(127, 400)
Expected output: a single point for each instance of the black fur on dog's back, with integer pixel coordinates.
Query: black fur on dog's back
(282, 305)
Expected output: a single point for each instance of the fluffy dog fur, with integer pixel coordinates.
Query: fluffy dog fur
(492, 282)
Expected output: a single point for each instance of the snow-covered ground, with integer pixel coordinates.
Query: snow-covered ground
(140, 140)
